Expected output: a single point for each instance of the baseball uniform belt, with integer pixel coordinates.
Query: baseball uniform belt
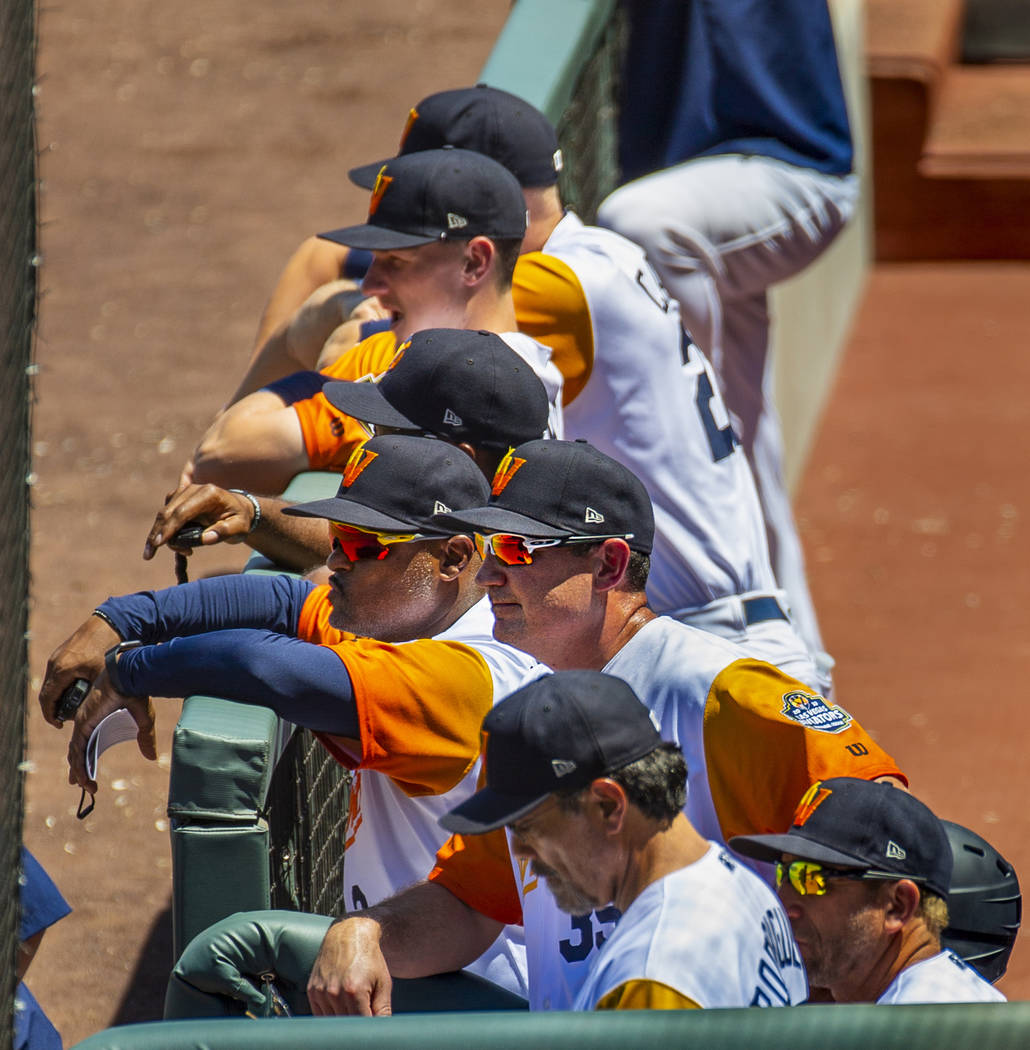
(766, 608)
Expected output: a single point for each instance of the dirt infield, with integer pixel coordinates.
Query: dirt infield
(186, 150)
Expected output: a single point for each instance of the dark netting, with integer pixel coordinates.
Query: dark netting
(588, 128)
(307, 819)
(307, 805)
(17, 318)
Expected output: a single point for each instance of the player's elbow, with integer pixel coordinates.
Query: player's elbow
(234, 455)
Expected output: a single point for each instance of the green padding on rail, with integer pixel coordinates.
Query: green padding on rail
(989, 1026)
(221, 761)
(534, 51)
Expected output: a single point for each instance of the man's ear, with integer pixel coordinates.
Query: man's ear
(901, 904)
(612, 802)
(480, 253)
(611, 563)
(455, 555)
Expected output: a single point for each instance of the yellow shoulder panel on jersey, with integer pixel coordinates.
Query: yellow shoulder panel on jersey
(642, 994)
(369, 358)
(550, 306)
(768, 738)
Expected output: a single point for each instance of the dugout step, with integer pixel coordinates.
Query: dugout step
(950, 142)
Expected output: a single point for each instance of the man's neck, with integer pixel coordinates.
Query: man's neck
(545, 212)
(487, 310)
(913, 945)
(654, 854)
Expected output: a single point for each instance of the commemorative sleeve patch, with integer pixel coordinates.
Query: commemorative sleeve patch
(815, 712)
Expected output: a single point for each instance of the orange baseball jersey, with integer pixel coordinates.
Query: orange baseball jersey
(420, 705)
(754, 740)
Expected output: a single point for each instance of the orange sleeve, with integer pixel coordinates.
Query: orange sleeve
(420, 707)
(768, 738)
(329, 435)
(477, 870)
(550, 306)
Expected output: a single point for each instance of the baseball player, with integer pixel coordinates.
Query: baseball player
(741, 108)
(468, 388)
(566, 536)
(444, 227)
(392, 664)
(634, 385)
(863, 874)
(592, 800)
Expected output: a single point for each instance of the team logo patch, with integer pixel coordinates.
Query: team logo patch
(412, 117)
(359, 459)
(381, 184)
(506, 470)
(815, 712)
(451, 418)
(593, 517)
(396, 359)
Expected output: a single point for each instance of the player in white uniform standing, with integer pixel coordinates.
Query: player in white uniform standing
(593, 802)
(863, 874)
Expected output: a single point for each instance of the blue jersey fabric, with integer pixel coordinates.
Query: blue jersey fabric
(233, 637)
(709, 77)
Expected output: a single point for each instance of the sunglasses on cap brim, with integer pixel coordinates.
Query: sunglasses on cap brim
(509, 548)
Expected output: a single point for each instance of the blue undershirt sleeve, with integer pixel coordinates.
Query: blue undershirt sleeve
(271, 602)
(304, 683)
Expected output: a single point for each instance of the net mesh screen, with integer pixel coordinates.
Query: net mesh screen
(17, 320)
(308, 795)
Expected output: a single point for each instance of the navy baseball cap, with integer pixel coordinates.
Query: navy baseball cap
(852, 823)
(487, 120)
(457, 384)
(559, 489)
(396, 483)
(559, 733)
(438, 195)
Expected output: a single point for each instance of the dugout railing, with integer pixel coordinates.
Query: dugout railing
(257, 810)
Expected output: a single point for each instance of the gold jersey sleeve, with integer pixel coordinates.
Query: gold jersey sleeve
(643, 994)
(551, 306)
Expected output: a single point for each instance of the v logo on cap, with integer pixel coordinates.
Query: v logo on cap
(360, 458)
(382, 182)
(506, 470)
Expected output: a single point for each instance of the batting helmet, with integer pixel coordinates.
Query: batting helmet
(984, 903)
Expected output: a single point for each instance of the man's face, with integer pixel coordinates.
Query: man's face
(838, 933)
(419, 287)
(544, 608)
(394, 600)
(565, 850)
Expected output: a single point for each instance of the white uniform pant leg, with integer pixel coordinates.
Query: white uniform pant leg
(720, 231)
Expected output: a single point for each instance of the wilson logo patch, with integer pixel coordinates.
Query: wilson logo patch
(815, 712)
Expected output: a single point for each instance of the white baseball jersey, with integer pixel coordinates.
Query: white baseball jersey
(944, 978)
(641, 392)
(420, 705)
(754, 740)
(711, 934)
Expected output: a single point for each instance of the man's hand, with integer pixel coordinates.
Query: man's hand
(102, 701)
(350, 975)
(81, 655)
(226, 515)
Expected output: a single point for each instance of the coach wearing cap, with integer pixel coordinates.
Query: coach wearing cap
(863, 874)
(593, 802)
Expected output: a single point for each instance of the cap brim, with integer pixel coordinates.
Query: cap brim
(497, 519)
(365, 175)
(772, 847)
(488, 810)
(365, 401)
(376, 238)
(350, 512)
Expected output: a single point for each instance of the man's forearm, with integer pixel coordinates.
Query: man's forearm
(291, 542)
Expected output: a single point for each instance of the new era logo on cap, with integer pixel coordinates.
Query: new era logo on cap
(562, 767)
(451, 418)
(895, 852)
(456, 222)
(593, 517)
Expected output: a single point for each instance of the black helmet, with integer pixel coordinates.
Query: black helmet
(984, 903)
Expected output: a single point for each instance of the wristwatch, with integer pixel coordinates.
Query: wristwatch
(111, 661)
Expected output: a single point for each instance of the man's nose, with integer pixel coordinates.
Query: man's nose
(491, 572)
